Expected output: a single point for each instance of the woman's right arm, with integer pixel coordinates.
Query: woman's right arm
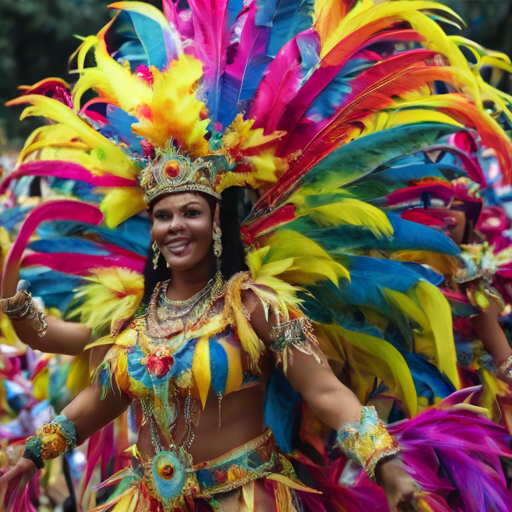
(88, 413)
(68, 338)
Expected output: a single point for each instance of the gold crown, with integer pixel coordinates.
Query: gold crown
(170, 171)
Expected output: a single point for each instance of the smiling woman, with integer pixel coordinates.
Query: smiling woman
(284, 335)
(182, 228)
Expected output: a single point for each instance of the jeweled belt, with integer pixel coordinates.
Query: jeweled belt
(170, 479)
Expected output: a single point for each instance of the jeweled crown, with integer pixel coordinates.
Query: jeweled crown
(171, 171)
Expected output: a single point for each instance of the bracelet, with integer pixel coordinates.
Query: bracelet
(22, 307)
(296, 333)
(51, 440)
(504, 370)
(367, 441)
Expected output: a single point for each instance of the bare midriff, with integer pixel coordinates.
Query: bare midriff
(241, 421)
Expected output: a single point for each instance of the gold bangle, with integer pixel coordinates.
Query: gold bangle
(22, 307)
(367, 441)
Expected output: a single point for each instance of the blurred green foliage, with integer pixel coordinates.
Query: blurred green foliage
(36, 40)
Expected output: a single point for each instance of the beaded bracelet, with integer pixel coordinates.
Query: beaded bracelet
(367, 441)
(51, 440)
(22, 307)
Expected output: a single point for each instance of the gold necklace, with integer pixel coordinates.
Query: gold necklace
(166, 318)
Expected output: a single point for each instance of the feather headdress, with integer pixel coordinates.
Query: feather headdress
(326, 111)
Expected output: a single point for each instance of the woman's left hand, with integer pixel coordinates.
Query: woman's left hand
(400, 488)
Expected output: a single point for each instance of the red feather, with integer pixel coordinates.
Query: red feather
(330, 65)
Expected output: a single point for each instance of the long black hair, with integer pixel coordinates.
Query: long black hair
(233, 254)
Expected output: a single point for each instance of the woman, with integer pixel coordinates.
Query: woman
(167, 132)
(182, 227)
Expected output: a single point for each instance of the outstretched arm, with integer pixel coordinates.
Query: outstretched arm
(333, 403)
(68, 338)
(88, 413)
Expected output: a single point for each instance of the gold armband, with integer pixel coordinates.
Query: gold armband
(297, 333)
(367, 441)
(22, 307)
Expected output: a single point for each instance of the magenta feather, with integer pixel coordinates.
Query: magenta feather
(82, 264)
(470, 164)
(246, 63)
(458, 455)
(438, 190)
(65, 209)
(66, 170)
(171, 12)
(372, 90)
(329, 66)
(19, 499)
(211, 39)
(94, 451)
(279, 85)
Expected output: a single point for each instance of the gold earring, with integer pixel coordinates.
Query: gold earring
(156, 255)
(217, 244)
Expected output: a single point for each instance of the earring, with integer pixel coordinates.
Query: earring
(156, 255)
(217, 244)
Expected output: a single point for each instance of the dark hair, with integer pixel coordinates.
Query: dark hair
(233, 254)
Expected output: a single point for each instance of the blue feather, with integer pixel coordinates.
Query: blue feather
(68, 245)
(218, 367)
(286, 18)
(428, 380)
(279, 408)
(234, 8)
(333, 96)
(11, 216)
(122, 122)
(345, 238)
(309, 48)
(132, 234)
(159, 47)
(245, 66)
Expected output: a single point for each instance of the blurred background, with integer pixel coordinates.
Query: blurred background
(37, 38)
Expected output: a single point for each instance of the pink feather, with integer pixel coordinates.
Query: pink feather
(441, 191)
(372, 90)
(65, 209)
(94, 451)
(82, 264)
(66, 170)
(246, 55)
(279, 85)
(211, 39)
(330, 65)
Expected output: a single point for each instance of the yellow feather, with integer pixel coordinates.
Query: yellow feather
(442, 263)
(112, 157)
(78, 377)
(377, 358)
(439, 315)
(311, 263)
(121, 203)
(112, 297)
(248, 498)
(349, 211)
(174, 108)
(40, 385)
(201, 368)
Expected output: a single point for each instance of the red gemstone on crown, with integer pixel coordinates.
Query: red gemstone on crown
(172, 169)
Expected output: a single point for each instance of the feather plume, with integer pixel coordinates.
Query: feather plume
(245, 66)
(160, 42)
(211, 40)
